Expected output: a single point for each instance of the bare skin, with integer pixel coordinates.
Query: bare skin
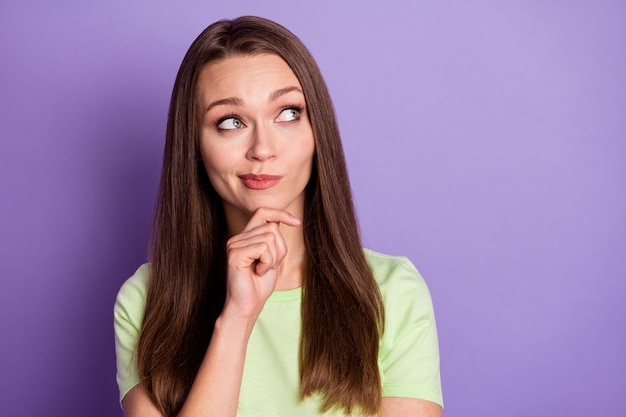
(253, 121)
(254, 259)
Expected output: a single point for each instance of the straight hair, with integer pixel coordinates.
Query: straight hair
(342, 310)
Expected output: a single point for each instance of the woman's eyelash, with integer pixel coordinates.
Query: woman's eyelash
(296, 107)
(226, 117)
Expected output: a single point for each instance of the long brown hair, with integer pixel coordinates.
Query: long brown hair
(186, 290)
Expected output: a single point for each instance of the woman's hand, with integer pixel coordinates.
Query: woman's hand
(253, 258)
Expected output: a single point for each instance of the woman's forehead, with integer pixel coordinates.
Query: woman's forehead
(246, 76)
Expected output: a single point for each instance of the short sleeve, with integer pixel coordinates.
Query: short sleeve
(128, 317)
(409, 353)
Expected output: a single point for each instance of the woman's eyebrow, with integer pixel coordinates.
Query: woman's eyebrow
(276, 94)
(235, 101)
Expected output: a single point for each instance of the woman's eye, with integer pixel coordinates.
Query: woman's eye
(289, 114)
(230, 123)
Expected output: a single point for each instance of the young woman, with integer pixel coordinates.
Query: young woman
(259, 299)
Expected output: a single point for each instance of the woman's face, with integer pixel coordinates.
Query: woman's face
(256, 140)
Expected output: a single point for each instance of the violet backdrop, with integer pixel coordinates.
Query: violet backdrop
(485, 140)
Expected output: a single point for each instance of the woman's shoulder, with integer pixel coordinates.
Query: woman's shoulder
(138, 282)
(401, 284)
(132, 293)
(396, 271)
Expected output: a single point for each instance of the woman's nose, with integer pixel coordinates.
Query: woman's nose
(262, 145)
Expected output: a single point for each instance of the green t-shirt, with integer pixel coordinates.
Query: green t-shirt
(408, 357)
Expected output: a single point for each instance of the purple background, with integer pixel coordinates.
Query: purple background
(485, 140)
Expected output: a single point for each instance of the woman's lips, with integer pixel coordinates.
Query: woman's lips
(259, 181)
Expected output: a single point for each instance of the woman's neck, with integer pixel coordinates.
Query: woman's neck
(291, 269)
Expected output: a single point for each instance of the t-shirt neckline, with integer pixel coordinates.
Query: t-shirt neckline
(286, 295)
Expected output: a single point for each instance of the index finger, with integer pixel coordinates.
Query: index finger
(268, 215)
